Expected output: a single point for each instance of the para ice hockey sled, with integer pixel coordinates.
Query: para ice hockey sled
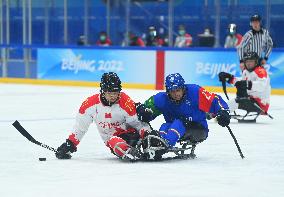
(252, 111)
(183, 150)
(248, 117)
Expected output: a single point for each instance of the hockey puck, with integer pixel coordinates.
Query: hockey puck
(42, 159)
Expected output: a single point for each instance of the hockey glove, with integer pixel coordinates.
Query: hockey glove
(242, 87)
(144, 114)
(223, 76)
(223, 118)
(64, 151)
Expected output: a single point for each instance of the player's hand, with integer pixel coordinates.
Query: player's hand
(223, 76)
(223, 118)
(64, 151)
(244, 84)
(144, 114)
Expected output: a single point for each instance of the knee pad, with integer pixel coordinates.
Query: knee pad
(118, 146)
(172, 136)
(175, 131)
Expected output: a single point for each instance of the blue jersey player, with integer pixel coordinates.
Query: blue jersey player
(184, 108)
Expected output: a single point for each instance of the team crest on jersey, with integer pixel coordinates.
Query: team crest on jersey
(107, 115)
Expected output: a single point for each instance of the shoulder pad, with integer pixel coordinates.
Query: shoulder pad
(127, 104)
(160, 99)
(89, 102)
(260, 72)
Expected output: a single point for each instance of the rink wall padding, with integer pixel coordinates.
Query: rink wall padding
(96, 84)
(141, 68)
(71, 83)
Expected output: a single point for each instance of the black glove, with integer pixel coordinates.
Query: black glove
(144, 114)
(223, 76)
(64, 151)
(223, 118)
(244, 84)
(242, 87)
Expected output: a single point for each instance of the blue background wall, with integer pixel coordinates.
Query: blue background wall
(195, 14)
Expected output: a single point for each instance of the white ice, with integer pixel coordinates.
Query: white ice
(48, 112)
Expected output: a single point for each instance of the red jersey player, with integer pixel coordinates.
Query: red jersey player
(114, 113)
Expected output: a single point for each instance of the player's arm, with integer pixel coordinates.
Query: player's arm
(83, 121)
(210, 102)
(229, 78)
(257, 85)
(261, 81)
(80, 128)
(148, 111)
(134, 122)
(213, 103)
(129, 109)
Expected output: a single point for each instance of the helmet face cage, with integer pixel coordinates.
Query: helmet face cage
(110, 82)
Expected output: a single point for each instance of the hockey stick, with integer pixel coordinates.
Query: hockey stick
(225, 92)
(236, 142)
(263, 111)
(24, 132)
(225, 89)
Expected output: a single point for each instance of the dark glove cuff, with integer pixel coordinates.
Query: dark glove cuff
(231, 79)
(241, 61)
(266, 58)
(72, 148)
(144, 114)
(249, 85)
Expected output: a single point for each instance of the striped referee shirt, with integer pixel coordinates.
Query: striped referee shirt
(259, 42)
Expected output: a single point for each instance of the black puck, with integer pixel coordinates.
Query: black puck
(42, 159)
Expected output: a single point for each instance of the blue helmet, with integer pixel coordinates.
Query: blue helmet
(174, 81)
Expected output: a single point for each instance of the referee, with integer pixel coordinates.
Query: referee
(255, 40)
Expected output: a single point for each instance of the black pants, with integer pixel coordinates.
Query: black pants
(195, 132)
(130, 138)
(248, 104)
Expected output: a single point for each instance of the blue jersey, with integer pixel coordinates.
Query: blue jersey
(196, 102)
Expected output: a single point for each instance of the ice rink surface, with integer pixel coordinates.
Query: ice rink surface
(48, 112)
